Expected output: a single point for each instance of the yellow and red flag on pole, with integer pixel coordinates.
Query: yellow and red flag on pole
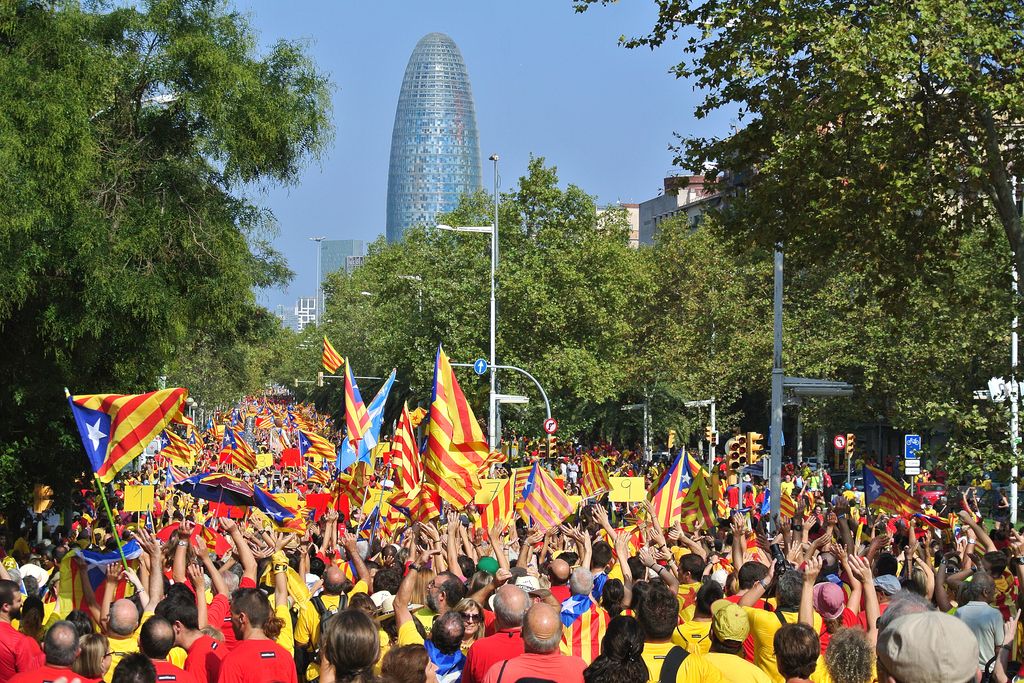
(406, 460)
(312, 445)
(787, 506)
(667, 498)
(176, 449)
(543, 500)
(699, 503)
(242, 454)
(331, 359)
(883, 491)
(456, 447)
(595, 479)
(116, 428)
(357, 419)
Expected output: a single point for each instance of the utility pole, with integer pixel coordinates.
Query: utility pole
(492, 435)
(319, 287)
(778, 377)
(1014, 405)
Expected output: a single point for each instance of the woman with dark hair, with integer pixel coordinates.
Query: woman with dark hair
(621, 659)
(31, 623)
(612, 596)
(349, 647)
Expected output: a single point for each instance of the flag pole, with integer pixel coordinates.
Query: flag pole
(110, 516)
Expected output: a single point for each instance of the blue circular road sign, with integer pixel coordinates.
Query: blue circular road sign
(480, 366)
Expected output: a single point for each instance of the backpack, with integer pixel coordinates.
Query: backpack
(325, 612)
(673, 660)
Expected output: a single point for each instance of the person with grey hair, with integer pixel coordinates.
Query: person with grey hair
(510, 605)
(542, 658)
(984, 620)
(61, 648)
(904, 602)
(583, 641)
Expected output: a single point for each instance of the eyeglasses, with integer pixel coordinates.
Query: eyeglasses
(109, 654)
(471, 617)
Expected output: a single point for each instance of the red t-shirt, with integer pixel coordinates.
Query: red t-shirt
(224, 608)
(165, 671)
(18, 652)
(748, 644)
(258, 661)
(553, 666)
(561, 593)
(849, 620)
(505, 644)
(48, 674)
(204, 658)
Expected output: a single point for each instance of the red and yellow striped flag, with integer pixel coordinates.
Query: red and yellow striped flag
(501, 506)
(787, 506)
(356, 418)
(116, 428)
(595, 479)
(456, 447)
(178, 450)
(331, 359)
(312, 445)
(883, 491)
(544, 501)
(242, 454)
(582, 637)
(667, 500)
(699, 503)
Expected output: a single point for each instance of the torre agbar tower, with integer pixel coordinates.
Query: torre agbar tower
(435, 149)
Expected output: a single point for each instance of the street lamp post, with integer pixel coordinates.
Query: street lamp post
(319, 289)
(492, 230)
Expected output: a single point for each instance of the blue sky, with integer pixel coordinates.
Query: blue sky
(546, 81)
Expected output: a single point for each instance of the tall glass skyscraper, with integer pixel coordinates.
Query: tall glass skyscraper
(435, 148)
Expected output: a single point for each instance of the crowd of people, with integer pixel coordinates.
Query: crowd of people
(836, 593)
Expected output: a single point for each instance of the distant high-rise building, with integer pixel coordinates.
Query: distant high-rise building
(435, 147)
(682, 196)
(288, 318)
(337, 255)
(305, 311)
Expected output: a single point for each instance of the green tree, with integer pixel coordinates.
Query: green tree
(129, 136)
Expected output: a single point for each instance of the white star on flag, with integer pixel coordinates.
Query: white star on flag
(875, 488)
(95, 434)
(685, 479)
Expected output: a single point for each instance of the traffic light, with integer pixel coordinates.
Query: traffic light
(737, 452)
(552, 446)
(709, 435)
(320, 379)
(671, 438)
(851, 445)
(755, 447)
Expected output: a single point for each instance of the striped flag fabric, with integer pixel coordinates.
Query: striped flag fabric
(176, 449)
(331, 359)
(242, 455)
(699, 503)
(787, 506)
(356, 418)
(595, 479)
(667, 500)
(312, 445)
(501, 506)
(116, 428)
(315, 475)
(936, 522)
(456, 447)
(543, 500)
(349, 453)
(405, 456)
(174, 475)
(585, 627)
(881, 490)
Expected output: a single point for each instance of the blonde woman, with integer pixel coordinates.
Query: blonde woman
(94, 658)
(473, 617)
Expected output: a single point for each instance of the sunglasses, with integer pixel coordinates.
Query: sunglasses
(471, 617)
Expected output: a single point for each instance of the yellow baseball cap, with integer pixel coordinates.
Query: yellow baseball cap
(729, 621)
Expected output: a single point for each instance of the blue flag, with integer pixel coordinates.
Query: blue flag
(348, 456)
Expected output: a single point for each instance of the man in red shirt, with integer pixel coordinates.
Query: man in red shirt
(18, 652)
(61, 647)
(558, 574)
(542, 660)
(156, 640)
(256, 658)
(204, 653)
(510, 605)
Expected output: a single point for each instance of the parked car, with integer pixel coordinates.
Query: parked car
(930, 492)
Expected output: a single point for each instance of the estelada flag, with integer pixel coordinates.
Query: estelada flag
(595, 480)
(116, 428)
(885, 492)
(331, 359)
(357, 419)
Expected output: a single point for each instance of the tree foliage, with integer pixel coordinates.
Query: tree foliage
(128, 136)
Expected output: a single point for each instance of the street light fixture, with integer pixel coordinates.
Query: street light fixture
(319, 289)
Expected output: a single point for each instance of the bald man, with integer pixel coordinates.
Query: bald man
(331, 600)
(558, 573)
(156, 638)
(510, 605)
(61, 647)
(541, 658)
(122, 627)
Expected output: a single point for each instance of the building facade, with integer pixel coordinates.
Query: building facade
(338, 255)
(682, 195)
(435, 147)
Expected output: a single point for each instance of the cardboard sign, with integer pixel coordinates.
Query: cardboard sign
(627, 489)
(138, 498)
(264, 460)
(488, 489)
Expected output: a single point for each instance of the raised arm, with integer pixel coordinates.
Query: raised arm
(453, 546)
(811, 570)
(242, 549)
(195, 577)
(352, 550)
(220, 587)
(862, 569)
(979, 531)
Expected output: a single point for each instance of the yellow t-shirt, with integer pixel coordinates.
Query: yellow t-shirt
(694, 669)
(408, 635)
(787, 488)
(121, 647)
(763, 625)
(307, 626)
(688, 600)
(735, 669)
(695, 636)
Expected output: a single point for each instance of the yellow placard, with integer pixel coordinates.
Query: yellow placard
(289, 500)
(488, 489)
(264, 460)
(627, 489)
(138, 498)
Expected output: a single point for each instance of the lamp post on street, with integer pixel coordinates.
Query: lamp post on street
(492, 230)
(319, 289)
